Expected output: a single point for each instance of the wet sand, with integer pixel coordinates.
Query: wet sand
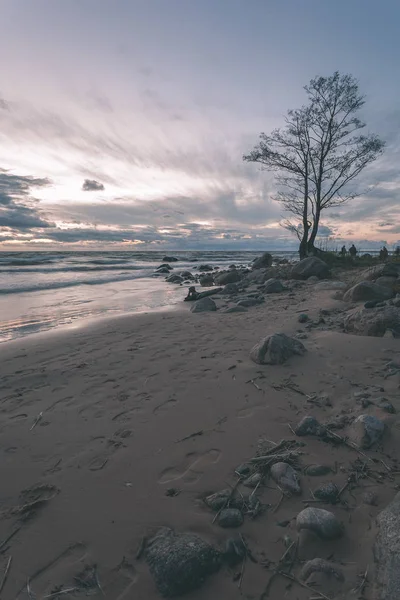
(93, 426)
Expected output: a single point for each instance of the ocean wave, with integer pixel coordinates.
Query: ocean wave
(75, 269)
(44, 286)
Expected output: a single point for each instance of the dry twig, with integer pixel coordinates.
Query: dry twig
(3, 581)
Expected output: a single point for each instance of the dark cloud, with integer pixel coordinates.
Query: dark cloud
(18, 210)
(91, 185)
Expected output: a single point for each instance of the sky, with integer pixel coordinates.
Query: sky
(123, 122)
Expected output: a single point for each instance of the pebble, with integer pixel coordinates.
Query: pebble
(308, 426)
(218, 500)
(230, 517)
(321, 522)
(367, 431)
(253, 480)
(327, 492)
(303, 318)
(319, 565)
(243, 469)
(286, 477)
(385, 405)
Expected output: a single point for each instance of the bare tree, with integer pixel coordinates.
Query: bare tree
(317, 154)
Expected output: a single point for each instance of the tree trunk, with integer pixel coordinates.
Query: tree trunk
(306, 225)
(311, 242)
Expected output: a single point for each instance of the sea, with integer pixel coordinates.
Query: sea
(41, 291)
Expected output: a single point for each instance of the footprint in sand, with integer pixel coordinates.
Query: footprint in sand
(192, 468)
(164, 406)
(249, 411)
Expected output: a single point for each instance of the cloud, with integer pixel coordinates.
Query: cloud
(91, 185)
(18, 210)
(4, 105)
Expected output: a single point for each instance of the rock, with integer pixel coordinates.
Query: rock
(310, 266)
(321, 522)
(162, 271)
(285, 476)
(168, 259)
(366, 431)
(232, 276)
(385, 405)
(235, 309)
(206, 268)
(235, 551)
(273, 286)
(253, 481)
(262, 262)
(165, 266)
(218, 500)
(319, 565)
(389, 333)
(303, 318)
(206, 280)
(230, 517)
(373, 322)
(179, 563)
(388, 282)
(308, 426)
(276, 349)
(367, 290)
(248, 302)
(387, 552)
(381, 270)
(318, 470)
(328, 492)
(313, 279)
(230, 289)
(204, 305)
(330, 285)
(174, 279)
(186, 275)
(370, 498)
(244, 469)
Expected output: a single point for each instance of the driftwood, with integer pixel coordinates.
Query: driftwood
(193, 295)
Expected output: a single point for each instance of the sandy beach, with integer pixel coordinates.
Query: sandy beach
(114, 429)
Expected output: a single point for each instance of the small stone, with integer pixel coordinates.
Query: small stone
(235, 309)
(244, 469)
(318, 470)
(328, 492)
(319, 565)
(367, 431)
(321, 522)
(180, 563)
(303, 318)
(218, 500)
(370, 498)
(235, 551)
(385, 405)
(308, 426)
(273, 286)
(230, 517)
(283, 523)
(248, 302)
(286, 477)
(253, 480)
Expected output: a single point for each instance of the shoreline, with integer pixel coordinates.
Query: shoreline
(101, 423)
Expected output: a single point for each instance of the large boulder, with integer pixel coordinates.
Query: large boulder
(373, 321)
(276, 349)
(310, 267)
(206, 268)
(232, 276)
(381, 270)
(204, 305)
(180, 563)
(386, 281)
(387, 552)
(174, 279)
(186, 275)
(230, 289)
(262, 262)
(206, 280)
(168, 259)
(273, 286)
(367, 290)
